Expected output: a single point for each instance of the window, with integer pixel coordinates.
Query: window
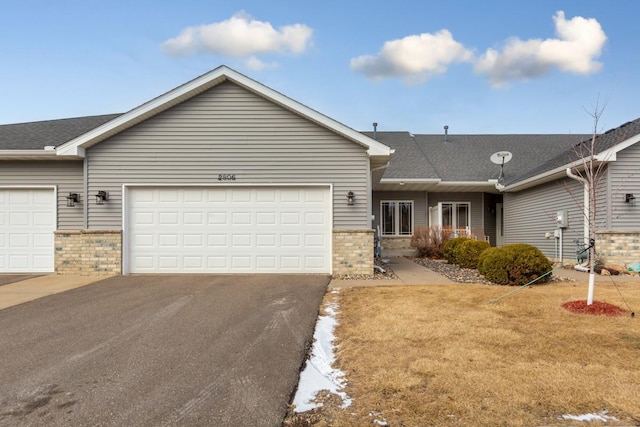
(455, 215)
(396, 218)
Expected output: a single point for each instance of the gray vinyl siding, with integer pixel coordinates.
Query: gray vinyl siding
(229, 130)
(625, 178)
(66, 176)
(531, 213)
(419, 205)
(475, 199)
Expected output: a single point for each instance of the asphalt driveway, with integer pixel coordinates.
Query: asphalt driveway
(158, 350)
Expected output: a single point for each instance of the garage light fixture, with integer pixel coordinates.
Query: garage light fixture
(350, 198)
(72, 199)
(630, 199)
(102, 197)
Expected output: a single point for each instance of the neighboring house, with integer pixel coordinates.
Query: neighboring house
(225, 175)
(221, 174)
(450, 181)
(533, 199)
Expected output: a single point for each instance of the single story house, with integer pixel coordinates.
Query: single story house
(225, 175)
(452, 181)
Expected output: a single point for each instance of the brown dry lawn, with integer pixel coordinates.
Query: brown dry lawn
(444, 356)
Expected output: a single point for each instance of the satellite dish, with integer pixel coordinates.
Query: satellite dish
(501, 157)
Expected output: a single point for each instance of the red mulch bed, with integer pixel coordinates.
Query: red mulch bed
(598, 308)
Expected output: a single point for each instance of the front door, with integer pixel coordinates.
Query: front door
(499, 225)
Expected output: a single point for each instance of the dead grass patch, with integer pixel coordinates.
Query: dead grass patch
(441, 355)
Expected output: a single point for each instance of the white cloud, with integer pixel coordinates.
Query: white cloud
(240, 36)
(414, 58)
(256, 64)
(579, 43)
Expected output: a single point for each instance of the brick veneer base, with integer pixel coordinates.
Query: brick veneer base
(352, 252)
(619, 247)
(88, 252)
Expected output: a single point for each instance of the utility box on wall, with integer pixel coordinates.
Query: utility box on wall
(562, 219)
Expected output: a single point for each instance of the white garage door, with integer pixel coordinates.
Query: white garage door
(27, 223)
(229, 230)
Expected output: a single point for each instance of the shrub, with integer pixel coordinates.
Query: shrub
(430, 241)
(450, 248)
(468, 252)
(516, 264)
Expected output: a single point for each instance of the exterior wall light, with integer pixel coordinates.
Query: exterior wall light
(630, 199)
(350, 198)
(102, 197)
(72, 199)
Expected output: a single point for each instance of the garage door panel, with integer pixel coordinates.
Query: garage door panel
(290, 218)
(241, 218)
(167, 218)
(42, 240)
(217, 240)
(232, 230)
(19, 219)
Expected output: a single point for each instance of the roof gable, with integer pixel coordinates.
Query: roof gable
(607, 146)
(76, 146)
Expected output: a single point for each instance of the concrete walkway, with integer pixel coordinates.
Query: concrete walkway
(31, 289)
(409, 273)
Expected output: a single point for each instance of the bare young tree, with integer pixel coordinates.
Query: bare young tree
(588, 165)
(589, 169)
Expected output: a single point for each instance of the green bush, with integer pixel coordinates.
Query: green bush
(450, 247)
(516, 264)
(468, 252)
(430, 241)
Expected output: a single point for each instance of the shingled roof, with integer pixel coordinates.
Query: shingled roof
(37, 135)
(603, 142)
(408, 161)
(467, 157)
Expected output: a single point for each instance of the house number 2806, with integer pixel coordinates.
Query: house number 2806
(226, 177)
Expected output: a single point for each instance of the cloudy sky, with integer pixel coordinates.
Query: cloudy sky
(478, 67)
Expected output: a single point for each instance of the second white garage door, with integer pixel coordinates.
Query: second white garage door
(228, 230)
(27, 223)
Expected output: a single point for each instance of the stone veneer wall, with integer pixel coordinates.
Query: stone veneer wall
(352, 252)
(88, 252)
(620, 247)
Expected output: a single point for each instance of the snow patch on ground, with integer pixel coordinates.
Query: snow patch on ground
(318, 373)
(600, 416)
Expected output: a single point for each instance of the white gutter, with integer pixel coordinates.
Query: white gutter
(8, 154)
(411, 180)
(488, 183)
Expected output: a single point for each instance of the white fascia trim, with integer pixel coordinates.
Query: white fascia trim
(206, 82)
(27, 187)
(8, 154)
(488, 183)
(610, 154)
(527, 182)
(411, 180)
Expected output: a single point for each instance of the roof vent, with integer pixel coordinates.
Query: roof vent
(446, 133)
(375, 130)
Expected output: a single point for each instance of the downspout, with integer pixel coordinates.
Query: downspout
(585, 203)
(592, 274)
(85, 205)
